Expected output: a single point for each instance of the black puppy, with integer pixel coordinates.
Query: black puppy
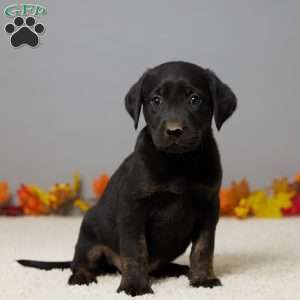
(164, 196)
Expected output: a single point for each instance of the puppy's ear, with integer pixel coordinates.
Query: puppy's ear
(134, 100)
(224, 100)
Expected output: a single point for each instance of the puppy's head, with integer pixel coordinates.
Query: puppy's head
(179, 100)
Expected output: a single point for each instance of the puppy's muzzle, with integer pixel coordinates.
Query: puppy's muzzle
(173, 129)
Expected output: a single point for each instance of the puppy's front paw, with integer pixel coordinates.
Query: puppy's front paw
(134, 288)
(205, 282)
(81, 278)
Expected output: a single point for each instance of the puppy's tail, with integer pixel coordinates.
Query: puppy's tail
(45, 265)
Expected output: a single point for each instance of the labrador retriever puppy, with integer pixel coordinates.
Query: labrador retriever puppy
(165, 195)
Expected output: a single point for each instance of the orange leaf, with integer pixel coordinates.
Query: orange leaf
(99, 184)
(230, 197)
(4, 192)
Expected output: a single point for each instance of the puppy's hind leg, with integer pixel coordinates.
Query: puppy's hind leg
(92, 260)
(82, 273)
(83, 268)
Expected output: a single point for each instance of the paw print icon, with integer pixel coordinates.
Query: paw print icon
(24, 31)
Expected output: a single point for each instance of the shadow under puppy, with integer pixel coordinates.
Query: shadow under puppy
(164, 196)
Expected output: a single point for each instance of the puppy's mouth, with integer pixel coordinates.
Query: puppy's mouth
(177, 146)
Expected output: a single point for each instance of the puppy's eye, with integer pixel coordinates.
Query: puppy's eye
(156, 100)
(195, 100)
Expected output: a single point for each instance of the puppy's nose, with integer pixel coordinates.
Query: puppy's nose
(174, 129)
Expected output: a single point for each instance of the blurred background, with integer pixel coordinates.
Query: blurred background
(62, 105)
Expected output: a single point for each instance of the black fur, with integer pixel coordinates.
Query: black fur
(164, 196)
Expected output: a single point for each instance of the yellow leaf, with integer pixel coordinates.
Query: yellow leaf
(82, 205)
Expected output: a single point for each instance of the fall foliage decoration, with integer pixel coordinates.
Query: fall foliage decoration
(280, 199)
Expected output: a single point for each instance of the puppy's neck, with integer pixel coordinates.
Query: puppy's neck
(201, 165)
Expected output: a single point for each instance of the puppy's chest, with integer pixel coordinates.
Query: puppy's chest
(179, 186)
(171, 210)
(170, 225)
(182, 180)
